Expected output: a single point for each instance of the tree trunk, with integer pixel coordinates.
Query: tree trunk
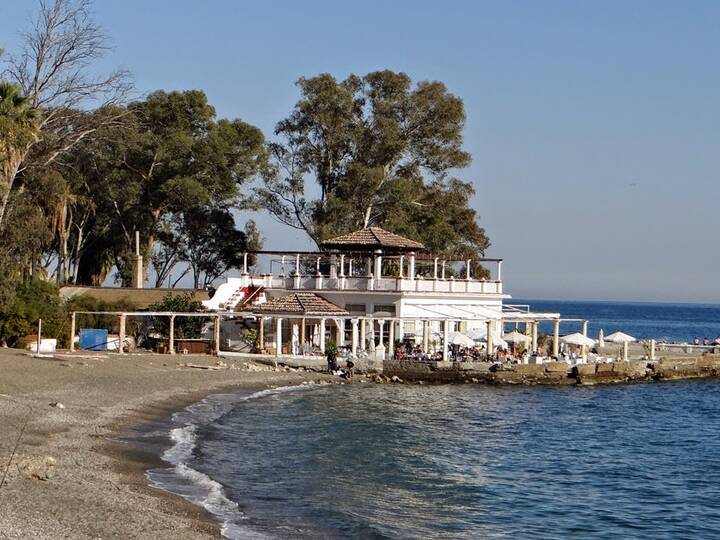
(9, 172)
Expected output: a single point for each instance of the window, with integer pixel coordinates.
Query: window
(355, 308)
(389, 308)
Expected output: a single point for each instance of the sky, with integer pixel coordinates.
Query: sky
(594, 126)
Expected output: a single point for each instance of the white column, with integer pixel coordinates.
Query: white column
(378, 266)
(467, 269)
(391, 338)
(297, 264)
(499, 271)
(534, 336)
(295, 340)
(426, 337)
(625, 351)
(402, 262)
(446, 339)
(342, 265)
(584, 332)
(282, 265)
(490, 341)
(381, 326)
(442, 276)
(556, 338)
(354, 323)
(245, 263)
(435, 268)
(350, 268)
(322, 336)
(369, 265)
(341, 332)
(278, 336)
(363, 334)
(411, 271)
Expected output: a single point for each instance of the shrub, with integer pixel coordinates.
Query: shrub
(33, 300)
(185, 327)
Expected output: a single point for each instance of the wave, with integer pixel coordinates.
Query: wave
(193, 485)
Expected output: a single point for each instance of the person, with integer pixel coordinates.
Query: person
(350, 365)
(331, 361)
(696, 341)
(706, 341)
(717, 340)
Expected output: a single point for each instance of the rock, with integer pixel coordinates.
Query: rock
(39, 467)
(57, 404)
(395, 379)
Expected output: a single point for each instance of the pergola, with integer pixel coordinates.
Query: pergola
(300, 309)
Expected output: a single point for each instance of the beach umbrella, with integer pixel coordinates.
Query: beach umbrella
(516, 337)
(456, 338)
(601, 338)
(620, 337)
(578, 339)
(477, 335)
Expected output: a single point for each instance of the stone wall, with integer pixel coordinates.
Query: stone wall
(667, 368)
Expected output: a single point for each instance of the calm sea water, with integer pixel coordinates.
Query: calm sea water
(673, 322)
(464, 461)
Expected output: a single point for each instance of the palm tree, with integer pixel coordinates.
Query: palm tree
(18, 130)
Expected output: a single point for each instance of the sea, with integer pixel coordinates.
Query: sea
(367, 461)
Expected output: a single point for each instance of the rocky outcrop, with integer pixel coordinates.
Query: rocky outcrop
(556, 373)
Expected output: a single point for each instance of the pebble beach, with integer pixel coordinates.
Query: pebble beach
(67, 472)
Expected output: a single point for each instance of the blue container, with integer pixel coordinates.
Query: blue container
(93, 339)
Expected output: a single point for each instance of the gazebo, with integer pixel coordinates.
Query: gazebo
(371, 239)
(305, 311)
(372, 243)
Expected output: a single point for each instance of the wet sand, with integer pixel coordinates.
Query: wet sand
(70, 476)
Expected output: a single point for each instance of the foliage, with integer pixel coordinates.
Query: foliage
(53, 66)
(185, 327)
(85, 302)
(381, 153)
(34, 299)
(331, 347)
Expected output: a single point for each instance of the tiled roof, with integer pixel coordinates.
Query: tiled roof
(372, 237)
(300, 303)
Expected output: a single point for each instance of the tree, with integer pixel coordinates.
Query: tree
(381, 152)
(53, 69)
(18, 129)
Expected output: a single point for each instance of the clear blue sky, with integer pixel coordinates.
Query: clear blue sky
(594, 126)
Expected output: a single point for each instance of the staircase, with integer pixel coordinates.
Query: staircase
(253, 296)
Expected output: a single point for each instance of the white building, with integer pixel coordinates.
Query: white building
(372, 288)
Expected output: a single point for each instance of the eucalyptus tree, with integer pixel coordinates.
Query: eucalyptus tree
(381, 151)
(18, 129)
(54, 66)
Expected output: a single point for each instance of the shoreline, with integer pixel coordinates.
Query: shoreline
(74, 473)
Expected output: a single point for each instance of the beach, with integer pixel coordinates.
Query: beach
(71, 476)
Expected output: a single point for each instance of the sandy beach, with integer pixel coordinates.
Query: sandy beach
(70, 477)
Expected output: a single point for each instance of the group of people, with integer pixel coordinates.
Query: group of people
(706, 341)
(334, 369)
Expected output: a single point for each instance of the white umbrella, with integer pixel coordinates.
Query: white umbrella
(619, 337)
(456, 338)
(578, 339)
(516, 337)
(601, 338)
(477, 335)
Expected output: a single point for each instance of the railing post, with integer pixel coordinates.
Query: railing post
(121, 333)
(467, 269)
(245, 263)
(72, 331)
(171, 336)
(499, 270)
(216, 336)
